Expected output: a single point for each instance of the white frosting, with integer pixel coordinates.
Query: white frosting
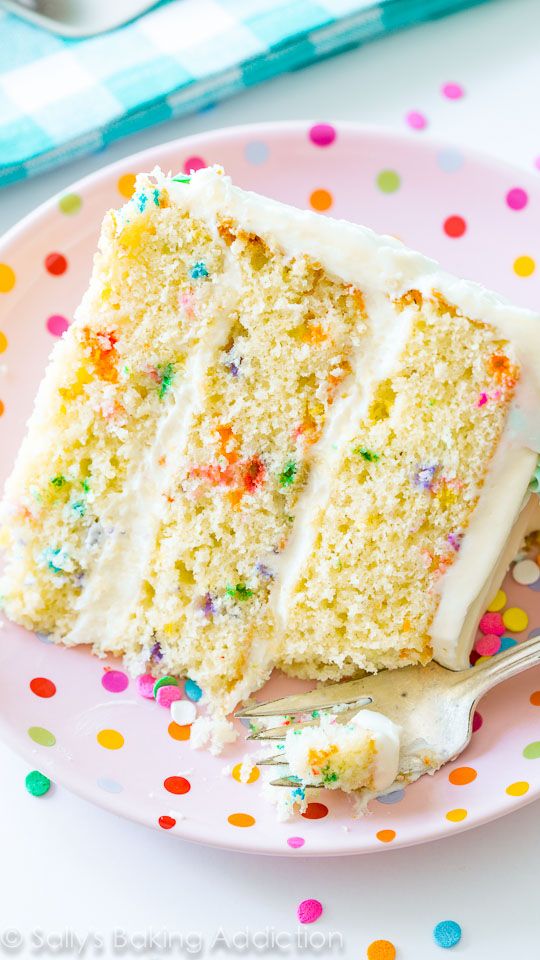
(387, 737)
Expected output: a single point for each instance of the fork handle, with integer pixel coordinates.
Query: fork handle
(488, 674)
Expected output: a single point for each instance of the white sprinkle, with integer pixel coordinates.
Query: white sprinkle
(526, 572)
(183, 712)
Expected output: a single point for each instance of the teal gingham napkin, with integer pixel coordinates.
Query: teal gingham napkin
(60, 99)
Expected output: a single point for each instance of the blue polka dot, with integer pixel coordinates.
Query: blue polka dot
(506, 643)
(256, 152)
(534, 633)
(535, 586)
(44, 637)
(394, 797)
(110, 786)
(450, 160)
(192, 690)
(447, 933)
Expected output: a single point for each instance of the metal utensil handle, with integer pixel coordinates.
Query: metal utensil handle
(501, 667)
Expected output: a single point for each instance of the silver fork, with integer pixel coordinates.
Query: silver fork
(433, 706)
(78, 18)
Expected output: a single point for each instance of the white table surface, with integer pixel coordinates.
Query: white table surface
(69, 866)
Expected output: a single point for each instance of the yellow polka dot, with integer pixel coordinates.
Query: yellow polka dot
(517, 789)
(253, 776)
(481, 660)
(126, 184)
(7, 278)
(515, 619)
(524, 266)
(3, 342)
(457, 815)
(498, 602)
(321, 200)
(110, 739)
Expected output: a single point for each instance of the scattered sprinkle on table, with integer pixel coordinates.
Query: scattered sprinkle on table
(526, 572)
(183, 712)
(192, 690)
(447, 933)
(515, 619)
(309, 911)
(145, 685)
(37, 783)
(168, 694)
(381, 950)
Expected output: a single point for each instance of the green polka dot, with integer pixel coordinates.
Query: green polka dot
(165, 682)
(532, 750)
(388, 181)
(42, 736)
(37, 783)
(70, 203)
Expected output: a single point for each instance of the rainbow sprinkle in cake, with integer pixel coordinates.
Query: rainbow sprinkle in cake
(270, 439)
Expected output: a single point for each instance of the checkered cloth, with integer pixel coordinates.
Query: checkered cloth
(60, 99)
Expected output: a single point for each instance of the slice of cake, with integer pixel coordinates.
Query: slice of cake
(271, 439)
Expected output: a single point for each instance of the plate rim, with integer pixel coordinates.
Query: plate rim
(35, 220)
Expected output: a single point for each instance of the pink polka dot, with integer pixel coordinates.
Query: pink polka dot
(167, 694)
(517, 198)
(194, 163)
(416, 120)
(477, 721)
(309, 911)
(537, 163)
(454, 91)
(487, 645)
(115, 681)
(492, 623)
(145, 685)
(322, 134)
(296, 842)
(57, 324)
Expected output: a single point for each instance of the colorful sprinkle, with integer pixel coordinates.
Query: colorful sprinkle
(7, 278)
(416, 120)
(321, 199)
(462, 775)
(42, 687)
(526, 572)
(424, 476)
(183, 712)
(55, 264)
(287, 475)
(506, 643)
(515, 619)
(492, 623)
(381, 950)
(488, 644)
(241, 820)
(454, 226)
(366, 454)
(42, 736)
(322, 134)
(115, 681)
(198, 271)
(532, 750)
(167, 694)
(110, 739)
(498, 602)
(177, 785)
(388, 181)
(165, 681)
(447, 933)
(177, 732)
(166, 375)
(192, 690)
(386, 836)
(517, 789)
(309, 911)
(37, 783)
(239, 592)
(517, 198)
(236, 773)
(167, 823)
(453, 91)
(145, 685)
(524, 266)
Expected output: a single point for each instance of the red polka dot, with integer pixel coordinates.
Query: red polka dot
(167, 823)
(42, 687)
(177, 785)
(477, 721)
(454, 226)
(57, 324)
(517, 198)
(194, 163)
(56, 264)
(315, 811)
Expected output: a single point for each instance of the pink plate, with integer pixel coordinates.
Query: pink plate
(92, 732)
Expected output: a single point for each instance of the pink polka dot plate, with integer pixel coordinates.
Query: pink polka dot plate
(80, 720)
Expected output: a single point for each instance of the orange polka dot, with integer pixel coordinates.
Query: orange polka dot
(321, 200)
(179, 732)
(517, 789)
(7, 278)
(126, 184)
(110, 739)
(462, 775)
(535, 698)
(386, 836)
(3, 342)
(524, 266)
(253, 776)
(241, 820)
(457, 815)
(2, 407)
(381, 950)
